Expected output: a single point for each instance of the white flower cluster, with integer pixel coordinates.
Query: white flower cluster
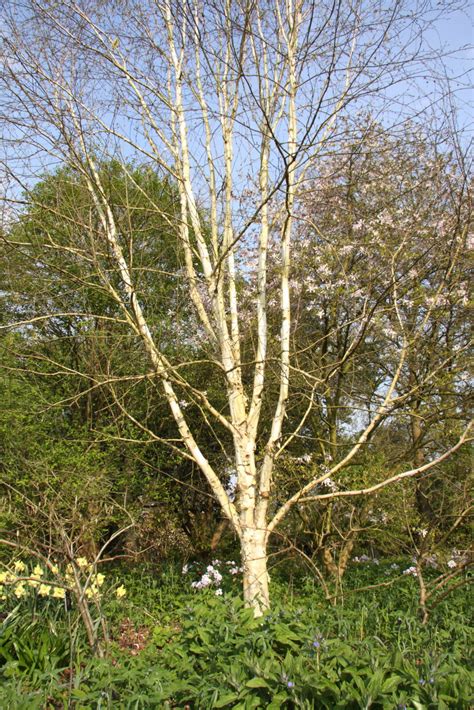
(389, 332)
(437, 300)
(366, 558)
(386, 218)
(329, 484)
(457, 558)
(306, 458)
(213, 575)
(411, 570)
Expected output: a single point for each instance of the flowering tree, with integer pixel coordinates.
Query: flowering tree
(234, 102)
(383, 200)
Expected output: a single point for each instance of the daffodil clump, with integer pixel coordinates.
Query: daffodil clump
(20, 580)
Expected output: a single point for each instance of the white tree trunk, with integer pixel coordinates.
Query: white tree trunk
(255, 571)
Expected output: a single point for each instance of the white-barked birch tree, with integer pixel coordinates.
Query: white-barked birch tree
(235, 101)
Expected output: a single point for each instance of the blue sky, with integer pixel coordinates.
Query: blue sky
(456, 33)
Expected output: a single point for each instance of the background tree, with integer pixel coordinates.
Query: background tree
(380, 191)
(65, 382)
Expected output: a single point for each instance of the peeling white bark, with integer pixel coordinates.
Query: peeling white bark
(255, 571)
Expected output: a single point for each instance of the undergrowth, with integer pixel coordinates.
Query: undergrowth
(175, 647)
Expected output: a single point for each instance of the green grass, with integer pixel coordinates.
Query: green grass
(203, 651)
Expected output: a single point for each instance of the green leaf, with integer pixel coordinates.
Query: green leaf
(359, 683)
(375, 683)
(277, 701)
(225, 700)
(391, 683)
(204, 635)
(257, 683)
(79, 694)
(198, 650)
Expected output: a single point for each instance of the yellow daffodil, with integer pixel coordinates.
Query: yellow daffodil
(38, 571)
(82, 562)
(19, 566)
(20, 590)
(44, 590)
(99, 580)
(92, 592)
(58, 593)
(120, 592)
(54, 569)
